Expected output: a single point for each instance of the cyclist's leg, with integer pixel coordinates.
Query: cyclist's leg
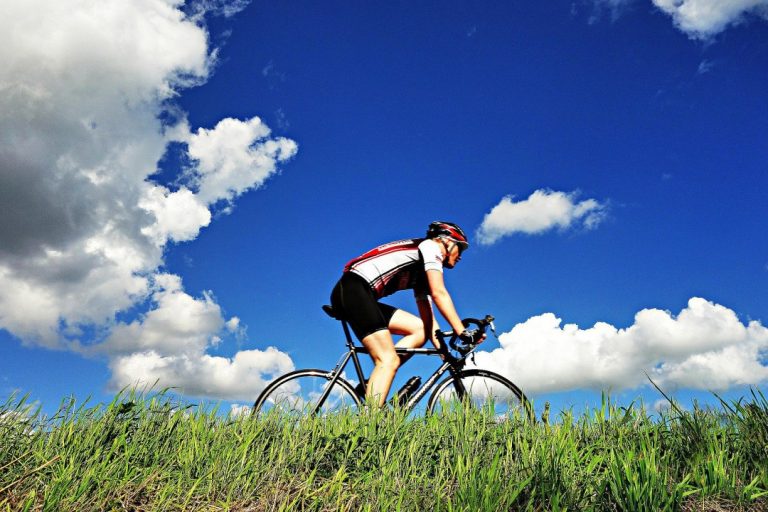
(382, 350)
(411, 327)
(369, 320)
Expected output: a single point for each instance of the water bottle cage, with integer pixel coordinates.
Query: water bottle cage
(410, 387)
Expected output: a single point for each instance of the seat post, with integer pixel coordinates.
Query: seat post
(350, 343)
(333, 314)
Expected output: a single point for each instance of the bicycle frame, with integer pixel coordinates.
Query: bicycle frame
(451, 365)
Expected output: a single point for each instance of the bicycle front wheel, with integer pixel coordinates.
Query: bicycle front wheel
(481, 390)
(299, 393)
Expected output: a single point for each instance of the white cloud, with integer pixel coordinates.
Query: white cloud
(20, 421)
(241, 377)
(178, 323)
(168, 347)
(83, 229)
(240, 410)
(80, 90)
(662, 405)
(233, 324)
(179, 215)
(226, 8)
(702, 19)
(541, 211)
(703, 347)
(234, 157)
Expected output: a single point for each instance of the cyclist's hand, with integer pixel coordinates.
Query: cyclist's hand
(468, 339)
(471, 336)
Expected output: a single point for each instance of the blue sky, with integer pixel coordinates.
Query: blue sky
(182, 184)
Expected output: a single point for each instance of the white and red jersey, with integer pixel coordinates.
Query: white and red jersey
(399, 265)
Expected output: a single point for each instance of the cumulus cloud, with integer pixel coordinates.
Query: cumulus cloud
(228, 160)
(541, 211)
(234, 157)
(169, 346)
(705, 346)
(179, 215)
(240, 377)
(82, 89)
(701, 19)
(177, 324)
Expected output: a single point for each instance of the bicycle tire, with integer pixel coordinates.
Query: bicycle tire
(293, 393)
(486, 390)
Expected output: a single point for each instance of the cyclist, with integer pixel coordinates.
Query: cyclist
(416, 264)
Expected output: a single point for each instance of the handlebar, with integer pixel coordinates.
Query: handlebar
(476, 335)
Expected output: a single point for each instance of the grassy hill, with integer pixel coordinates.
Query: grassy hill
(149, 453)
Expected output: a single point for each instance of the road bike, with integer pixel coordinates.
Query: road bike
(315, 391)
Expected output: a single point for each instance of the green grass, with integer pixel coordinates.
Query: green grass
(149, 453)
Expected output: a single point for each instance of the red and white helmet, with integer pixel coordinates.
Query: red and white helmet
(450, 231)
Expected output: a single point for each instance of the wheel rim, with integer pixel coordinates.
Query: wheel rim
(299, 395)
(485, 393)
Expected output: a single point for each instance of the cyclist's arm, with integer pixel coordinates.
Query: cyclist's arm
(428, 318)
(443, 300)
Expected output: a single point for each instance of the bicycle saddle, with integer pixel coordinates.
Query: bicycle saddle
(331, 312)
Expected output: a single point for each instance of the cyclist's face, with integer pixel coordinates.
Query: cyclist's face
(453, 256)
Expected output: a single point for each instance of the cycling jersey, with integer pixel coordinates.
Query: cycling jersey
(398, 266)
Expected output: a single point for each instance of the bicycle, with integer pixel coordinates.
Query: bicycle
(313, 391)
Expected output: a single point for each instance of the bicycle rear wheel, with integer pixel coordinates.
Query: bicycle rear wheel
(298, 393)
(481, 390)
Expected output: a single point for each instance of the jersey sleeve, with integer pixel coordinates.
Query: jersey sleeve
(433, 257)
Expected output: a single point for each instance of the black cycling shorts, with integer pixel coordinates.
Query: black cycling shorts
(353, 300)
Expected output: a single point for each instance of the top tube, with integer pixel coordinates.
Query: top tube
(402, 350)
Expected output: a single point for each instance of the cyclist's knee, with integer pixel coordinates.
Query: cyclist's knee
(390, 361)
(419, 337)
